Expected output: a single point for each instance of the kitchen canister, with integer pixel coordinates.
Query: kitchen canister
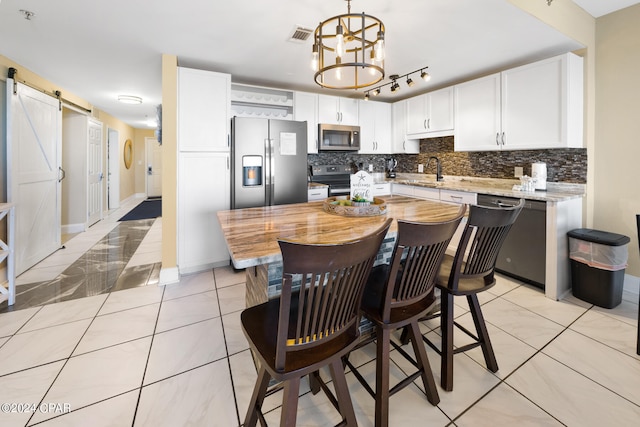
(539, 174)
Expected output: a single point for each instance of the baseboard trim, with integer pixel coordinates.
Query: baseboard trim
(73, 228)
(169, 276)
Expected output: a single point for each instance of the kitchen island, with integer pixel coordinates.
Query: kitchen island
(252, 234)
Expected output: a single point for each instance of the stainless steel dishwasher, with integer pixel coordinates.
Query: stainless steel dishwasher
(523, 253)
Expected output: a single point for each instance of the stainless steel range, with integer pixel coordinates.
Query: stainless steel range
(337, 177)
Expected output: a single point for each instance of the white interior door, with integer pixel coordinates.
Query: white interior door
(113, 176)
(153, 155)
(34, 156)
(94, 172)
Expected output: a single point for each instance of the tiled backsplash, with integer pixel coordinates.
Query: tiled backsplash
(563, 165)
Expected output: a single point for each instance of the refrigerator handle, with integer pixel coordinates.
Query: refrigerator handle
(268, 172)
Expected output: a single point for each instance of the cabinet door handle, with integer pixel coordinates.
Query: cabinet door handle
(424, 125)
(428, 123)
(503, 141)
(404, 146)
(337, 117)
(497, 136)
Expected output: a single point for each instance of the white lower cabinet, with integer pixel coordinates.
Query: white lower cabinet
(458, 197)
(317, 193)
(381, 189)
(427, 193)
(203, 189)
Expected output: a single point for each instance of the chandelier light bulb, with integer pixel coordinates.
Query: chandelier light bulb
(314, 57)
(339, 41)
(379, 47)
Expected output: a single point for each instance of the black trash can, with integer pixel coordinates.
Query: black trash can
(598, 262)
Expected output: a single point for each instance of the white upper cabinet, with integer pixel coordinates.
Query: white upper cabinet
(305, 108)
(399, 142)
(375, 127)
(337, 110)
(477, 109)
(431, 114)
(535, 106)
(203, 110)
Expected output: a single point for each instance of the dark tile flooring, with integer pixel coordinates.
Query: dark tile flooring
(99, 270)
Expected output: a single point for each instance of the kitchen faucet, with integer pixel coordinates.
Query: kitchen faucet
(439, 176)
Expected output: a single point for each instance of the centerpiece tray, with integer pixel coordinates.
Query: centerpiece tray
(332, 205)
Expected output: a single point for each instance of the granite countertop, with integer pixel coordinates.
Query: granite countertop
(556, 192)
(316, 185)
(252, 234)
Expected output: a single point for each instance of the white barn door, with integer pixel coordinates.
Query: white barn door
(34, 135)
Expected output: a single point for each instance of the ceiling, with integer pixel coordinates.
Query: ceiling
(99, 50)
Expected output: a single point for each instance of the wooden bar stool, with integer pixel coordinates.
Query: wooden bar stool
(398, 295)
(468, 273)
(313, 324)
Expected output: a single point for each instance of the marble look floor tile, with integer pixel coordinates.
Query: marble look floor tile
(201, 397)
(232, 298)
(409, 407)
(39, 274)
(131, 298)
(115, 412)
(11, 322)
(470, 379)
(187, 310)
(227, 276)
(510, 351)
(35, 348)
(625, 312)
(525, 325)
(191, 284)
(133, 277)
(99, 375)
(116, 328)
(243, 375)
(65, 312)
(504, 407)
(533, 299)
(185, 348)
(26, 387)
(234, 337)
(609, 331)
(604, 365)
(504, 284)
(144, 258)
(570, 397)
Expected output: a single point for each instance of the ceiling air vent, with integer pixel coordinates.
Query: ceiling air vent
(300, 34)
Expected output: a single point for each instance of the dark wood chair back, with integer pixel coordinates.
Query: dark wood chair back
(418, 253)
(481, 240)
(321, 291)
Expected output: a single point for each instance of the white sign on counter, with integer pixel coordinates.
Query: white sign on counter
(361, 185)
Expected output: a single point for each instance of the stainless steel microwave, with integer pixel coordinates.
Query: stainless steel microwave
(338, 138)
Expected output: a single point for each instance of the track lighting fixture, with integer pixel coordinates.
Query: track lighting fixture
(395, 86)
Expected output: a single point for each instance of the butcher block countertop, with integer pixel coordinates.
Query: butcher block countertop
(252, 234)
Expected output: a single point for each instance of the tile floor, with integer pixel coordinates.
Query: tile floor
(176, 356)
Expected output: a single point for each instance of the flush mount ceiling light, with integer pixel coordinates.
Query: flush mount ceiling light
(348, 51)
(395, 86)
(129, 99)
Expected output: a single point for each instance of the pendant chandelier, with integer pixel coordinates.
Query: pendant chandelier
(348, 51)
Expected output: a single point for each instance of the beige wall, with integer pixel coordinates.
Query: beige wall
(169, 162)
(617, 150)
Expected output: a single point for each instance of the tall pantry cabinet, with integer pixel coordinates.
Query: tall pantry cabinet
(203, 167)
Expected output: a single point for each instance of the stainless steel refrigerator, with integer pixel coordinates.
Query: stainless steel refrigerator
(268, 162)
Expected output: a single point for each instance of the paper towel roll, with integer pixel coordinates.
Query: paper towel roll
(539, 173)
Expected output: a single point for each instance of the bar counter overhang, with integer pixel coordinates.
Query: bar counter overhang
(252, 234)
